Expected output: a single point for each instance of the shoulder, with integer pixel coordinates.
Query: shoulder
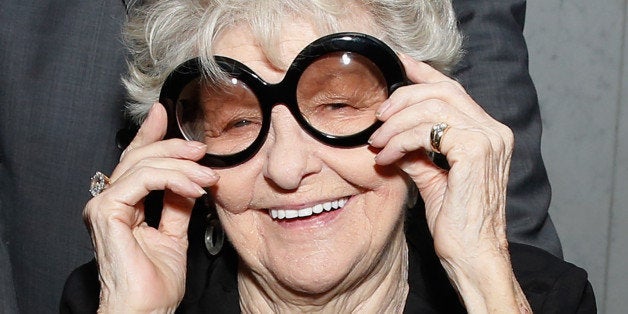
(551, 284)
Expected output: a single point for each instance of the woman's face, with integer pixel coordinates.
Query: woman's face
(294, 174)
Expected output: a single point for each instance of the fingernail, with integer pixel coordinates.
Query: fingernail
(201, 190)
(382, 108)
(209, 173)
(373, 136)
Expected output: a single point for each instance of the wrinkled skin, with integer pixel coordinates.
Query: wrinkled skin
(142, 269)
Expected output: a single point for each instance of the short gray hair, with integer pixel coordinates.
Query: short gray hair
(160, 35)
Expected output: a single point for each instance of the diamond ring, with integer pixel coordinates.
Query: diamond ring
(99, 182)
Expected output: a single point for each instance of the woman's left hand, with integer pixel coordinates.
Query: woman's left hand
(465, 206)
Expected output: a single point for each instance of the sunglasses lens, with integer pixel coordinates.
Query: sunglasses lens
(339, 93)
(226, 116)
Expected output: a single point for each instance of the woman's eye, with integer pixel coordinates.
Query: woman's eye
(336, 106)
(239, 123)
(244, 124)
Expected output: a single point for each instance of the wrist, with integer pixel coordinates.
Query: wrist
(111, 309)
(486, 283)
(109, 305)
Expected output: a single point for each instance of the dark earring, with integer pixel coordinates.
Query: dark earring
(413, 195)
(214, 235)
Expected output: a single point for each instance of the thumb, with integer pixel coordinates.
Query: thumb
(152, 130)
(430, 179)
(175, 216)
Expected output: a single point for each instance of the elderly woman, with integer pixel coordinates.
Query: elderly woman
(309, 131)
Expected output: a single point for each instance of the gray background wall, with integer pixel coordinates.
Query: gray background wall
(579, 62)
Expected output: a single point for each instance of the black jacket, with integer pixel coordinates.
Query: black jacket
(550, 284)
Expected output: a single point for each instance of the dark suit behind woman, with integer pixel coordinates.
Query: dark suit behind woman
(62, 105)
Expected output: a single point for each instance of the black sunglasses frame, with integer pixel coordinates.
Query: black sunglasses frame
(284, 92)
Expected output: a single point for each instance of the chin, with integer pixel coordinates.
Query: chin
(311, 280)
(314, 271)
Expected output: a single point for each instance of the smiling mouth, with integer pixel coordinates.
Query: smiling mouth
(308, 211)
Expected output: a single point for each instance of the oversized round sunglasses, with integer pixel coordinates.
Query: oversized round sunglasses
(333, 89)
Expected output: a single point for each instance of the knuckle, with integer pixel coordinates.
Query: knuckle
(96, 210)
(505, 137)
(128, 154)
(458, 85)
(88, 211)
(436, 107)
(452, 87)
(479, 145)
(128, 150)
(418, 133)
(144, 171)
(509, 138)
(144, 164)
(403, 90)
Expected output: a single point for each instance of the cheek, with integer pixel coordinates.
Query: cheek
(232, 195)
(385, 187)
(357, 166)
(235, 189)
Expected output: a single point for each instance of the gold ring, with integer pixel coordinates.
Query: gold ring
(436, 135)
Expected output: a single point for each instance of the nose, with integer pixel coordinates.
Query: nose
(290, 151)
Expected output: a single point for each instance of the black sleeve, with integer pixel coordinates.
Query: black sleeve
(494, 71)
(571, 293)
(551, 285)
(82, 290)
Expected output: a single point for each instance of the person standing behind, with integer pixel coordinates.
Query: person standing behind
(62, 99)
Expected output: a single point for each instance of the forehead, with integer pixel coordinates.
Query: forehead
(240, 43)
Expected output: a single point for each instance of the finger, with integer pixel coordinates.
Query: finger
(429, 179)
(434, 111)
(428, 111)
(175, 215)
(153, 129)
(196, 172)
(413, 139)
(430, 84)
(444, 92)
(120, 205)
(173, 148)
(421, 72)
(460, 142)
(131, 188)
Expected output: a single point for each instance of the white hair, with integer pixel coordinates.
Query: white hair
(160, 35)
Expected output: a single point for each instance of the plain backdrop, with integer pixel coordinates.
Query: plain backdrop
(578, 60)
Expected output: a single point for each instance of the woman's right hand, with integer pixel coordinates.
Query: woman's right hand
(142, 269)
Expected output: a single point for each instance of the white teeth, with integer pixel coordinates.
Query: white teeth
(306, 212)
(326, 206)
(342, 202)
